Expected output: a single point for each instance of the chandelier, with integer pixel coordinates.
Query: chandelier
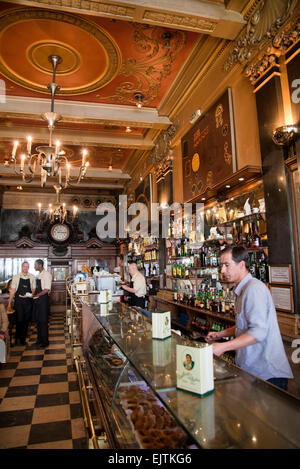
(51, 160)
(57, 213)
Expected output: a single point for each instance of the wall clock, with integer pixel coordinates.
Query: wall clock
(60, 233)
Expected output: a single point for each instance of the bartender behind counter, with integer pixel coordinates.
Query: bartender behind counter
(137, 288)
(22, 287)
(41, 307)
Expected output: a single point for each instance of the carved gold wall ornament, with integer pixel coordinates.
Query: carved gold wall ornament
(195, 162)
(162, 146)
(210, 178)
(227, 155)
(264, 23)
(283, 41)
(147, 72)
(219, 116)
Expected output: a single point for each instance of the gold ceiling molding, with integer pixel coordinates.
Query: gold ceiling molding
(263, 24)
(95, 6)
(193, 22)
(18, 15)
(147, 73)
(284, 41)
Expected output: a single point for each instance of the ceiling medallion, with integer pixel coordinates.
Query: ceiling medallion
(71, 57)
(39, 52)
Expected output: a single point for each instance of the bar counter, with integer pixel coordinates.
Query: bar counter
(242, 412)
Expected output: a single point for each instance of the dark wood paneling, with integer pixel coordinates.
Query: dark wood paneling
(293, 70)
(270, 113)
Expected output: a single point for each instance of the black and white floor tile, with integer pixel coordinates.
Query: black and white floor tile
(39, 398)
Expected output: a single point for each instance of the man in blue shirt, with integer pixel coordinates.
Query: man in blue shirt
(257, 341)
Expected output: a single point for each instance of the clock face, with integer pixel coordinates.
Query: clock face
(60, 232)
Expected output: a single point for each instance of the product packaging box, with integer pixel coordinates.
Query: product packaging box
(195, 369)
(161, 325)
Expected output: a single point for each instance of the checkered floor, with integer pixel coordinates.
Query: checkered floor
(39, 398)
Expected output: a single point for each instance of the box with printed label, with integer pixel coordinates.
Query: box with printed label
(195, 369)
(161, 325)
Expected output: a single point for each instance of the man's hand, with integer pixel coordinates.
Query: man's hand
(219, 349)
(212, 337)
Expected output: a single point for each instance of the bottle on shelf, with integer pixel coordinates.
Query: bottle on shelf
(255, 238)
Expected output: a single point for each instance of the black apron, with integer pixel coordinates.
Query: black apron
(23, 306)
(136, 300)
(41, 305)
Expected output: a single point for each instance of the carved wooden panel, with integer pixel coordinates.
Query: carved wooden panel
(207, 149)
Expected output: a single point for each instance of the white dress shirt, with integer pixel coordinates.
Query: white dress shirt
(46, 279)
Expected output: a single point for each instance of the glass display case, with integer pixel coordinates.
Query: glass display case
(134, 377)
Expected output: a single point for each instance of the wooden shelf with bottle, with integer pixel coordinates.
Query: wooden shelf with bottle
(245, 218)
(195, 309)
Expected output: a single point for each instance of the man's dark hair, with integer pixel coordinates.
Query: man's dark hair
(239, 254)
(40, 262)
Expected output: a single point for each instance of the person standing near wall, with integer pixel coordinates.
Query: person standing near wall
(21, 290)
(41, 305)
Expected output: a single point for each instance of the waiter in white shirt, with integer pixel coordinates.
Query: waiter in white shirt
(41, 305)
(22, 288)
(137, 288)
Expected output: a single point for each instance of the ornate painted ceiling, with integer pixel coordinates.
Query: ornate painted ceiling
(109, 53)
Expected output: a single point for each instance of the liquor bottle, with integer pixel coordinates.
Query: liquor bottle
(173, 250)
(255, 239)
(202, 258)
(235, 234)
(214, 258)
(249, 235)
(175, 294)
(185, 248)
(243, 236)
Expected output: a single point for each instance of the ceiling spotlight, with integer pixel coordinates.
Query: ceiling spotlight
(128, 129)
(139, 99)
(241, 179)
(228, 186)
(20, 188)
(110, 168)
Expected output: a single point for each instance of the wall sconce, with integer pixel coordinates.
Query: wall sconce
(284, 136)
(139, 99)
